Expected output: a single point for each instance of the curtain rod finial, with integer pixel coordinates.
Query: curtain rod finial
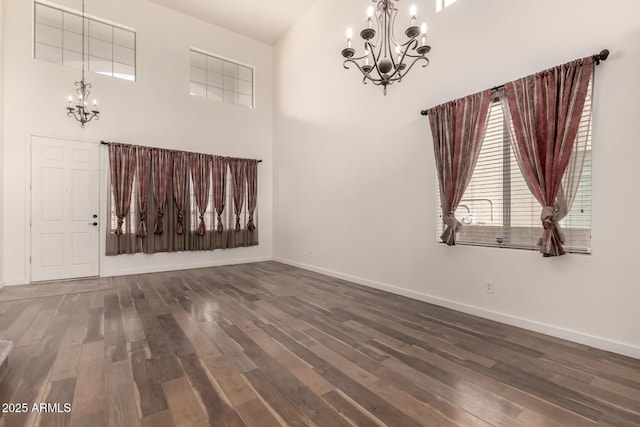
(424, 113)
(602, 56)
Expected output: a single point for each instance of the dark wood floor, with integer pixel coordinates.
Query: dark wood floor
(267, 344)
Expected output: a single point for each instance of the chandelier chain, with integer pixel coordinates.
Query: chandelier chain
(81, 111)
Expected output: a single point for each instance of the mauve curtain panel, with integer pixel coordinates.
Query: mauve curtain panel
(237, 167)
(252, 191)
(458, 129)
(144, 167)
(122, 166)
(546, 109)
(162, 169)
(219, 171)
(200, 166)
(180, 187)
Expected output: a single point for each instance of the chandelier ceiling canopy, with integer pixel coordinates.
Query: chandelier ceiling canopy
(385, 60)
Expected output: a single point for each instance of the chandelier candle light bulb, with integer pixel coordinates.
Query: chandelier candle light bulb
(381, 47)
(423, 49)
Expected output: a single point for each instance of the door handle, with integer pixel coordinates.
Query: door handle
(93, 223)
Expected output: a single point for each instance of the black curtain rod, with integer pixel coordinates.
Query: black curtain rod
(107, 143)
(602, 56)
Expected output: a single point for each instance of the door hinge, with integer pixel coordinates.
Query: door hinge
(29, 259)
(29, 222)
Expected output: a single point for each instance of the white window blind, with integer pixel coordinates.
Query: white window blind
(498, 209)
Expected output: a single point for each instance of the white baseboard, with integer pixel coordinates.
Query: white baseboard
(177, 267)
(532, 325)
(159, 269)
(15, 282)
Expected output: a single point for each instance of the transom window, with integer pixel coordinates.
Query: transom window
(441, 4)
(220, 79)
(109, 49)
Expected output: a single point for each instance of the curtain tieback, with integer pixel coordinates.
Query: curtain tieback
(142, 228)
(202, 229)
(118, 231)
(549, 218)
(220, 227)
(451, 222)
(159, 226)
(180, 225)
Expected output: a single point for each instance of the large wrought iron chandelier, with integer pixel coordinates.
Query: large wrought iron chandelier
(385, 60)
(81, 111)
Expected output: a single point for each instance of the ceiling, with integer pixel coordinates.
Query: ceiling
(262, 20)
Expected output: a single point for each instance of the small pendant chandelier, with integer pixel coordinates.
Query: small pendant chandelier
(81, 111)
(385, 61)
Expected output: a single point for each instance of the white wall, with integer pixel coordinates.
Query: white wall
(157, 110)
(354, 183)
(1, 130)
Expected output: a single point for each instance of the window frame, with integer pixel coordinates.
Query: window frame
(443, 4)
(224, 60)
(87, 42)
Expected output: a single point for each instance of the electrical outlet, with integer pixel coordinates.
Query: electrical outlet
(489, 287)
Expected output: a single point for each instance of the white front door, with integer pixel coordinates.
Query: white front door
(65, 179)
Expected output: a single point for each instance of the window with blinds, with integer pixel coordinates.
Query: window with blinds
(498, 209)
